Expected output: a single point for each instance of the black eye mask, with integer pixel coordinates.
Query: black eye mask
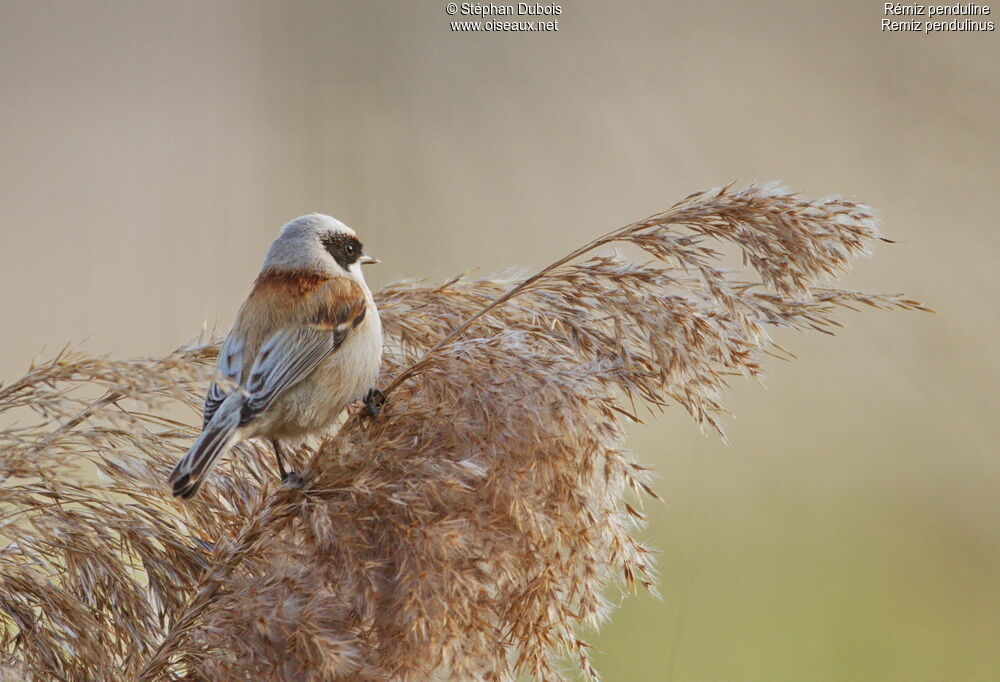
(345, 249)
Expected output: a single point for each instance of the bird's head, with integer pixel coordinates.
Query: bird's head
(321, 243)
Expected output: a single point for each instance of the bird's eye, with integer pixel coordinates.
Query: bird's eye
(346, 250)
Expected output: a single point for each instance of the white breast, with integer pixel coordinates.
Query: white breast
(312, 405)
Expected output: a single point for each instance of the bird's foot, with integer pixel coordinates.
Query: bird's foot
(292, 479)
(374, 402)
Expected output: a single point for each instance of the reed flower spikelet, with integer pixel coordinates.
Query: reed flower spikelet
(472, 531)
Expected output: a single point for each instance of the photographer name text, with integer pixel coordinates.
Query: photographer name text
(521, 9)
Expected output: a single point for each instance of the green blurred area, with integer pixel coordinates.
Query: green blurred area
(851, 529)
(838, 547)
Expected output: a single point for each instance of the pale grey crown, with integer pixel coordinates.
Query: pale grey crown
(305, 244)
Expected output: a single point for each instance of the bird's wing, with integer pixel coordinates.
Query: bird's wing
(230, 366)
(326, 318)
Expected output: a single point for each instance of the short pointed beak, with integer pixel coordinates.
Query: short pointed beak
(368, 260)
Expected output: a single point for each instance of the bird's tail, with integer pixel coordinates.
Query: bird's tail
(219, 435)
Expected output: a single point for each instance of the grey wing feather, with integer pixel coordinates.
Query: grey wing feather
(285, 359)
(229, 365)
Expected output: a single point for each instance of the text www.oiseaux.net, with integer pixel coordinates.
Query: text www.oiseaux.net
(473, 26)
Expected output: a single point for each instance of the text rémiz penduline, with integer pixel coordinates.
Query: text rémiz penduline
(936, 11)
(956, 10)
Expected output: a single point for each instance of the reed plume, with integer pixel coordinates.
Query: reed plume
(472, 531)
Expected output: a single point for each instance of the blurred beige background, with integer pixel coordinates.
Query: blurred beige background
(149, 152)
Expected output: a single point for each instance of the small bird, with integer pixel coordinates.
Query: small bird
(306, 343)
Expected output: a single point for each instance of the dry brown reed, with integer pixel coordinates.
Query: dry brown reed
(472, 531)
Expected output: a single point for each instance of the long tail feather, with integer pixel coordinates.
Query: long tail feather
(219, 435)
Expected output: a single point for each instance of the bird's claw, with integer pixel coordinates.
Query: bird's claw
(292, 479)
(374, 402)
